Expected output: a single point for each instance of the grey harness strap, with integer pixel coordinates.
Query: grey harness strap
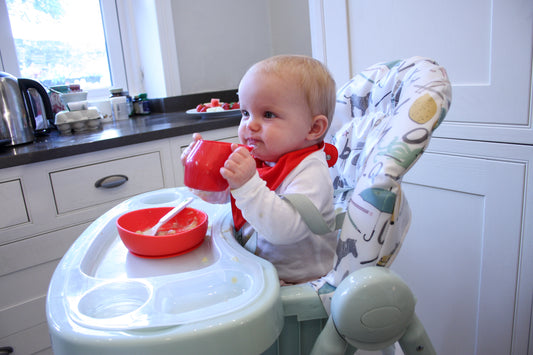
(311, 215)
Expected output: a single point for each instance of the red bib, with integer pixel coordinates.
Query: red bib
(274, 175)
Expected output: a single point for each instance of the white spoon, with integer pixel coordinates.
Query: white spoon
(168, 216)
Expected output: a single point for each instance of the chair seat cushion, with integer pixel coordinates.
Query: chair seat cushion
(383, 122)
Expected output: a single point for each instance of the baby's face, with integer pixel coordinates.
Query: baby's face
(275, 116)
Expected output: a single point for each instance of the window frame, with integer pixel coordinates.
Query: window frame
(115, 47)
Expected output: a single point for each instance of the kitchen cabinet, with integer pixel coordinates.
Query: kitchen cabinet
(12, 203)
(47, 205)
(26, 267)
(464, 256)
(468, 254)
(106, 181)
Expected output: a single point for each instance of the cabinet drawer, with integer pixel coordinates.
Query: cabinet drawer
(12, 204)
(76, 188)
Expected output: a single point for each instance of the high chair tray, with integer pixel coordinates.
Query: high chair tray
(100, 287)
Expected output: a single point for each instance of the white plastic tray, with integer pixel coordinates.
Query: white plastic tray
(110, 288)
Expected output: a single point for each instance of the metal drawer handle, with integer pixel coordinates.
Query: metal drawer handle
(6, 350)
(111, 181)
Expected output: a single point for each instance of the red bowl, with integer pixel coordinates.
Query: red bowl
(190, 227)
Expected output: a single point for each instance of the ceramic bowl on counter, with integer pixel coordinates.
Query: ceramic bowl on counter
(76, 96)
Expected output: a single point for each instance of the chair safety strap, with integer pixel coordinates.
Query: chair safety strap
(311, 215)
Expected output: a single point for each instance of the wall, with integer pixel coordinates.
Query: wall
(217, 42)
(290, 30)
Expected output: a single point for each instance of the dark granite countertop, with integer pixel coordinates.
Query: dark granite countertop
(168, 120)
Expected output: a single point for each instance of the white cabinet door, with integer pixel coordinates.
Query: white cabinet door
(462, 254)
(486, 47)
(26, 268)
(12, 204)
(469, 252)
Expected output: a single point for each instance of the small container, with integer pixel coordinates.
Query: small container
(141, 104)
(119, 106)
(115, 92)
(104, 108)
(118, 92)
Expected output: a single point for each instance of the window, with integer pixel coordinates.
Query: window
(64, 42)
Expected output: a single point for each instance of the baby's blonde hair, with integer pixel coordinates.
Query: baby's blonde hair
(313, 77)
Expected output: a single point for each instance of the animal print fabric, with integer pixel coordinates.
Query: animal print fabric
(383, 122)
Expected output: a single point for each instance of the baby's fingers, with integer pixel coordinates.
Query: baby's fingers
(196, 137)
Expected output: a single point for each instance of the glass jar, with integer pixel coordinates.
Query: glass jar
(141, 104)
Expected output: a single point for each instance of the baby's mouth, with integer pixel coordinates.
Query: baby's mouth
(251, 143)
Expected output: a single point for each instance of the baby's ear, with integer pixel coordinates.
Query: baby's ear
(319, 127)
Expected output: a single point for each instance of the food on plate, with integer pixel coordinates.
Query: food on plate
(187, 221)
(216, 105)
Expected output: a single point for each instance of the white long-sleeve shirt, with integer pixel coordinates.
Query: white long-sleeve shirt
(283, 237)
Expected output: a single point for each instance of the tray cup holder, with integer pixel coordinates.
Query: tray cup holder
(114, 300)
(210, 294)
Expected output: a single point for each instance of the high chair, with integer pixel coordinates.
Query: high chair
(221, 299)
(383, 122)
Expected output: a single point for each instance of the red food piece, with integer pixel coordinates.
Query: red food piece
(216, 103)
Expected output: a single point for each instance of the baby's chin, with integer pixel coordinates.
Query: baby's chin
(258, 152)
(264, 158)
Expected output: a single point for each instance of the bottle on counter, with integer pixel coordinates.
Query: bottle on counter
(118, 104)
(141, 104)
(129, 101)
(115, 93)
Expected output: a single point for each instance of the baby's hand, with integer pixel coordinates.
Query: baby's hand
(239, 168)
(195, 137)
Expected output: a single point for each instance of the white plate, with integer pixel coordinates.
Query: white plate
(225, 113)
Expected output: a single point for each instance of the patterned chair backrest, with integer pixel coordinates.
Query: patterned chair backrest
(383, 122)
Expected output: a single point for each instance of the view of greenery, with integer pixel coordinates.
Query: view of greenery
(60, 42)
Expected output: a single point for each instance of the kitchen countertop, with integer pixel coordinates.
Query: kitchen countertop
(137, 129)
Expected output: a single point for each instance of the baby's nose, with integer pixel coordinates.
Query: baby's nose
(253, 124)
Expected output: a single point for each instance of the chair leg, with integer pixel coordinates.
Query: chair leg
(390, 350)
(329, 342)
(415, 340)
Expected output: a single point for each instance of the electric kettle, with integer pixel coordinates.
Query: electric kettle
(25, 108)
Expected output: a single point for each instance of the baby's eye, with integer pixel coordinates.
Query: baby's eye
(245, 113)
(269, 114)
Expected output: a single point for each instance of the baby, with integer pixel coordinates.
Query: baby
(287, 104)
